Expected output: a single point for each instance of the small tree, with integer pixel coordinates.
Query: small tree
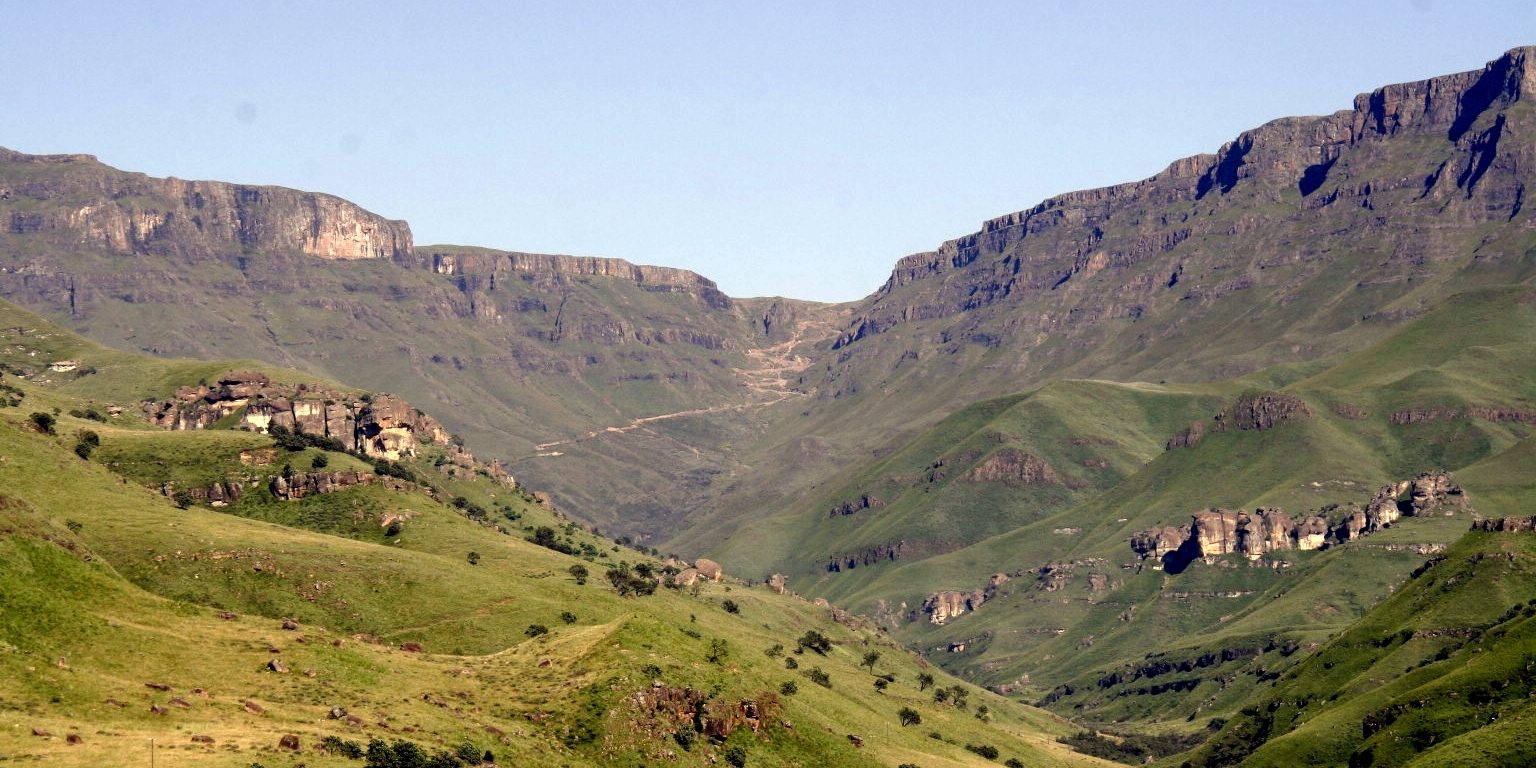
(730, 606)
(534, 630)
(870, 659)
(579, 573)
(909, 716)
(789, 688)
(568, 617)
(718, 651)
(924, 681)
(881, 683)
(320, 461)
(819, 677)
(474, 558)
(815, 641)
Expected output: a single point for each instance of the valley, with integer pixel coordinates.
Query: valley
(1227, 466)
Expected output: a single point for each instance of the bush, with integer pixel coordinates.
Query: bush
(730, 606)
(83, 450)
(568, 617)
(718, 651)
(1014, 762)
(909, 716)
(579, 573)
(42, 422)
(341, 747)
(985, 750)
(819, 677)
(790, 663)
(321, 461)
(924, 681)
(684, 738)
(814, 641)
(473, 558)
(788, 688)
(736, 756)
(534, 630)
(775, 651)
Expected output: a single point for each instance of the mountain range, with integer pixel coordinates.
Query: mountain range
(1141, 454)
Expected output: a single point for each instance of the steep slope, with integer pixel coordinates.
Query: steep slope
(292, 630)
(1440, 674)
(530, 357)
(1063, 608)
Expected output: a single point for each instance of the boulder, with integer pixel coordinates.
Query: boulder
(709, 569)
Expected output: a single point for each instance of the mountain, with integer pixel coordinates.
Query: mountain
(326, 600)
(1302, 238)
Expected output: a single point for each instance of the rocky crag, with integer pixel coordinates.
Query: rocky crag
(1215, 532)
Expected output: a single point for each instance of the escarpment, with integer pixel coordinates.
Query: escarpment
(1215, 532)
(1115, 278)
(84, 203)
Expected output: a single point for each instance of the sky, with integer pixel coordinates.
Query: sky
(783, 148)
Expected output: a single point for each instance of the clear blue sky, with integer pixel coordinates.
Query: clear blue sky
(779, 148)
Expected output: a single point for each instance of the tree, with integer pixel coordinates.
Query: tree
(819, 677)
(718, 651)
(870, 659)
(909, 716)
(881, 683)
(320, 461)
(789, 688)
(579, 573)
(815, 641)
(924, 681)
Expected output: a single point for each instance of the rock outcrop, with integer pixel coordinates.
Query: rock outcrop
(863, 502)
(1215, 532)
(944, 607)
(1261, 410)
(1011, 466)
(380, 426)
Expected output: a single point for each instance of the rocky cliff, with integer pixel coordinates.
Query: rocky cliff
(1215, 532)
(376, 425)
(74, 199)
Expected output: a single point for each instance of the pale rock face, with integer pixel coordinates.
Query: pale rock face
(1312, 533)
(1157, 542)
(709, 569)
(944, 607)
(1214, 531)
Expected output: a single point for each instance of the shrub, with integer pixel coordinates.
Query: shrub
(321, 461)
(341, 747)
(534, 630)
(1013, 762)
(819, 677)
(909, 716)
(730, 606)
(788, 688)
(815, 641)
(718, 651)
(42, 422)
(985, 750)
(684, 738)
(568, 617)
(579, 573)
(881, 683)
(775, 651)
(736, 756)
(790, 663)
(473, 558)
(924, 681)
(83, 450)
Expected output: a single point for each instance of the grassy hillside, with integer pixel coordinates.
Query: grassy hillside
(210, 634)
(1085, 626)
(1437, 675)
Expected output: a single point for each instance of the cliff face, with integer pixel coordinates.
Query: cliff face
(73, 199)
(482, 268)
(1215, 532)
(1289, 220)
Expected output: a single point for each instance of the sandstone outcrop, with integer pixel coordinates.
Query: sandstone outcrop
(380, 426)
(1012, 466)
(709, 569)
(1506, 525)
(1215, 532)
(946, 606)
